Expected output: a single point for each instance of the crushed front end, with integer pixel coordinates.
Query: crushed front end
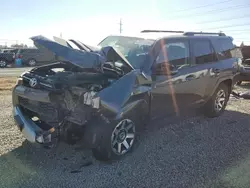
(66, 99)
(43, 106)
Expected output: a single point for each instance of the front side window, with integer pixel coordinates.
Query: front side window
(174, 53)
(203, 52)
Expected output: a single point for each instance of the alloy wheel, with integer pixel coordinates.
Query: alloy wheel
(220, 100)
(32, 62)
(123, 136)
(3, 63)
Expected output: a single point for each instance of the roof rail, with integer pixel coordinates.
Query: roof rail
(160, 31)
(203, 33)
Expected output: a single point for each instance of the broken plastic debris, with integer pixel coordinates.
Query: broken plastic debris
(90, 100)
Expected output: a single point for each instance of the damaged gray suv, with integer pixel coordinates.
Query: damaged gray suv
(103, 96)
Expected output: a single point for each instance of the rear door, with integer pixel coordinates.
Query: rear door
(206, 61)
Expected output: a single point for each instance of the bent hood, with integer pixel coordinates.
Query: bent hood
(61, 41)
(79, 58)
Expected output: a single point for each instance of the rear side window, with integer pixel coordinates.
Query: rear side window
(203, 52)
(225, 49)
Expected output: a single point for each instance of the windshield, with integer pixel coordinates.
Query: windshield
(133, 48)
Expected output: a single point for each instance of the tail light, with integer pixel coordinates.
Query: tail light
(19, 56)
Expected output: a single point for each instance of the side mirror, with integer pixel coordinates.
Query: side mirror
(165, 68)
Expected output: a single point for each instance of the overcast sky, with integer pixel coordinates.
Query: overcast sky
(91, 21)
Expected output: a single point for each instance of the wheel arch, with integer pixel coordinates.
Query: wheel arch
(139, 107)
(228, 82)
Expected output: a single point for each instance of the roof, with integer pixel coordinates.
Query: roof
(185, 36)
(171, 36)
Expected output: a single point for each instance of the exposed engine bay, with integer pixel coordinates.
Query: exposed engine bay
(69, 88)
(65, 92)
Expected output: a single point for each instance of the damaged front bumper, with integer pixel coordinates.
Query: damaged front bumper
(34, 101)
(31, 131)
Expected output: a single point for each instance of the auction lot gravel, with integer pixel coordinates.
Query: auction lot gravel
(192, 151)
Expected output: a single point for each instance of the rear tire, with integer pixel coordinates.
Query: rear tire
(218, 102)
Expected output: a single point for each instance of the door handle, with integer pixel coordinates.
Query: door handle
(190, 77)
(216, 70)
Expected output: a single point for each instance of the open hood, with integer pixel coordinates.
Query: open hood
(76, 43)
(61, 41)
(79, 58)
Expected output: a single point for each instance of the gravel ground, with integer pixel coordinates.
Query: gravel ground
(192, 151)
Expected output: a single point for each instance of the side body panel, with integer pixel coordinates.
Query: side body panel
(126, 95)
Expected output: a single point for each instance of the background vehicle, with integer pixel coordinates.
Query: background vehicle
(244, 66)
(34, 56)
(7, 58)
(104, 99)
(8, 50)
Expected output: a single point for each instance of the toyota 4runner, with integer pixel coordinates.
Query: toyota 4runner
(104, 96)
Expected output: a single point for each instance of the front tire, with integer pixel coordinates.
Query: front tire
(116, 141)
(218, 102)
